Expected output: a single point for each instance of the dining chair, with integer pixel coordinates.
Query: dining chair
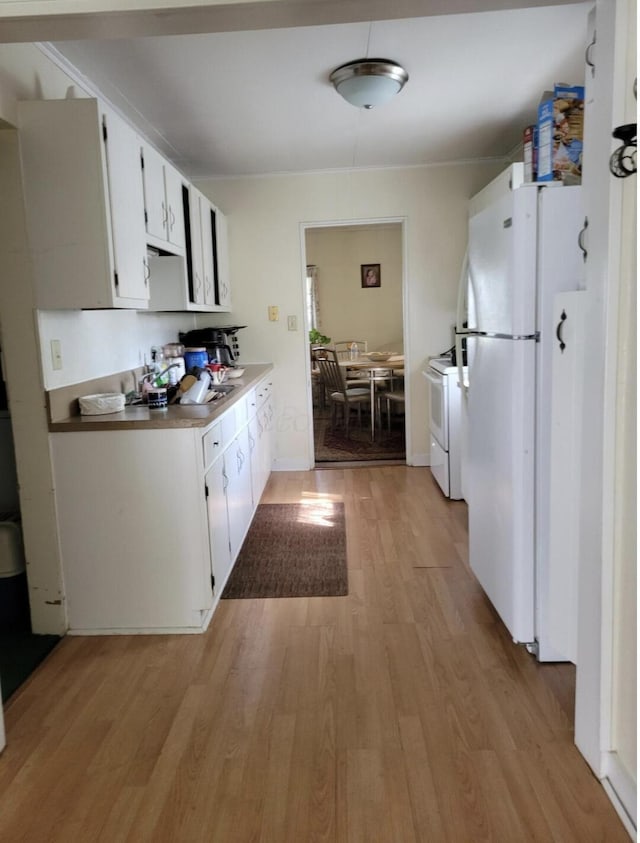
(335, 385)
(395, 397)
(317, 386)
(343, 350)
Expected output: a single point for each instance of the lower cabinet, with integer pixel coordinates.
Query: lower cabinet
(151, 521)
(133, 530)
(235, 480)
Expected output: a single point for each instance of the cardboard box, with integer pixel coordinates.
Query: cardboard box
(560, 135)
(530, 145)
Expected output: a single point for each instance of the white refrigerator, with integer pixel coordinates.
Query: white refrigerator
(524, 247)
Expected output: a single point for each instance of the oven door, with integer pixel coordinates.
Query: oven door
(438, 407)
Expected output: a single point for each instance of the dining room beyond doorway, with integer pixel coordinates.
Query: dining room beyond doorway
(354, 290)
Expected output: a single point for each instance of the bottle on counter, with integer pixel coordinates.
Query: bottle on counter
(353, 351)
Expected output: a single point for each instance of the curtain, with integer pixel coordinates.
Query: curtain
(313, 305)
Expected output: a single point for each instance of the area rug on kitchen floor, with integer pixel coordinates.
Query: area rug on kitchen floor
(292, 550)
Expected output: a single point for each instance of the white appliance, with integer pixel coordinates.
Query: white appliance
(524, 247)
(444, 424)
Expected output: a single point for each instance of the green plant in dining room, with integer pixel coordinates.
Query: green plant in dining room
(316, 338)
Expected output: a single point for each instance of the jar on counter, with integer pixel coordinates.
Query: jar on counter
(195, 358)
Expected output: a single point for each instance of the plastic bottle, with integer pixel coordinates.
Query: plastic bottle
(353, 351)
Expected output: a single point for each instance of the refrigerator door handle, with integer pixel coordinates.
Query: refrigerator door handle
(497, 336)
(462, 292)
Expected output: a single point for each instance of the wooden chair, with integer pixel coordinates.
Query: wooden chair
(335, 385)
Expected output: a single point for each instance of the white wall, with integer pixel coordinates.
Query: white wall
(100, 342)
(267, 266)
(347, 310)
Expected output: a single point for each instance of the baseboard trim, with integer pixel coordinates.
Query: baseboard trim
(621, 790)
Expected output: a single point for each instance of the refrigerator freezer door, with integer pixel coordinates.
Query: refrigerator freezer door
(499, 477)
(502, 265)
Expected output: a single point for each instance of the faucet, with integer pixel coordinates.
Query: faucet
(152, 376)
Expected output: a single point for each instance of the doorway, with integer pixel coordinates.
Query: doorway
(342, 305)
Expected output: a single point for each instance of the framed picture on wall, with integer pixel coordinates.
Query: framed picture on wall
(370, 274)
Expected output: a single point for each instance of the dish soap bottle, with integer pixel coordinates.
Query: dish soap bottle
(353, 351)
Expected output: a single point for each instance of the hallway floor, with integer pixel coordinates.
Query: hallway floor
(402, 712)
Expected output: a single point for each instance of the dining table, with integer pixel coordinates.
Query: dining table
(377, 371)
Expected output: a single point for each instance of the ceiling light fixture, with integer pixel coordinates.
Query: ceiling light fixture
(366, 83)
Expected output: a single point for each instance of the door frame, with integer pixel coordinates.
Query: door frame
(304, 227)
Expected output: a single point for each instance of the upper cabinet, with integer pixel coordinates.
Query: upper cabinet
(164, 216)
(97, 196)
(84, 202)
(200, 280)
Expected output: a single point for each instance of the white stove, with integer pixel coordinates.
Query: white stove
(445, 402)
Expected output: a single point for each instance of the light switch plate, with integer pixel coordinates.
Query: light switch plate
(292, 323)
(56, 355)
(274, 313)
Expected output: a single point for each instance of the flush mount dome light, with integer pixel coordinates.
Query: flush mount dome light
(366, 83)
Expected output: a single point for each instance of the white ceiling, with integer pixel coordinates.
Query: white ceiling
(258, 102)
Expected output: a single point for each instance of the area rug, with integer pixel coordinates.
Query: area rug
(292, 550)
(333, 446)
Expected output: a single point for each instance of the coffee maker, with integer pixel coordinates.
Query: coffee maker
(221, 343)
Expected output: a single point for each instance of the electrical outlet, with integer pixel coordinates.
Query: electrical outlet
(274, 313)
(292, 323)
(56, 354)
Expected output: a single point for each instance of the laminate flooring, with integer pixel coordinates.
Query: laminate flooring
(402, 712)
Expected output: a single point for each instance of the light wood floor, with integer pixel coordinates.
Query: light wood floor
(399, 713)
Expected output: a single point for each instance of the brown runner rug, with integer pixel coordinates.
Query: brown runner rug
(292, 550)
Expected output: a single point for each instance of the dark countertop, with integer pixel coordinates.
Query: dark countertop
(140, 417)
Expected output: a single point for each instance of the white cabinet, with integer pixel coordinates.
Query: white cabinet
(239, 496)
(200, 280)
(151, 522)
(132, 518)
(216, 482)
(566, 468)
(164, 213)
(260, 436)
(218, 234)
(84, 205)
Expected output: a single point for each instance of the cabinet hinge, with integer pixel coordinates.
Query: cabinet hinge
(142, 161)
(146, 216)
(213, 582)
(115, 279)
(104, 129)
(206, 491)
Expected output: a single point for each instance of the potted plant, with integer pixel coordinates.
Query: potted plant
(316, 338)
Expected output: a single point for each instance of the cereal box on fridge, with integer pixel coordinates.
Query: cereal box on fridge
(560, 134)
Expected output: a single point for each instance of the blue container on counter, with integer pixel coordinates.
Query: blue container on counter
(195, 357)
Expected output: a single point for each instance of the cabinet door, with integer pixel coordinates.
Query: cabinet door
(84, 205)
(194, 246)
(565, 475)
(222, 260)
(216, 484)
(126, 202)
(154, 193)
(239, 496)
(173, 197)
(209, 270)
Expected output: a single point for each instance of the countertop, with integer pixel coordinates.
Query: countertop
(140, 417)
